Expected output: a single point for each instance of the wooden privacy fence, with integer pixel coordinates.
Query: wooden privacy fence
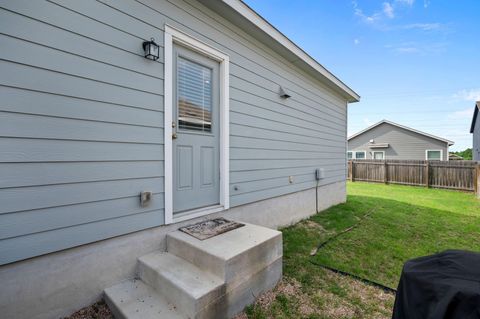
(460, 175)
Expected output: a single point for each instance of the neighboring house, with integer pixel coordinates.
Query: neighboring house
(475, 130)
(455, 157)
(233, 119)
(389, 140)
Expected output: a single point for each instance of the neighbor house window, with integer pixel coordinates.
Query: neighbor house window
(360, 155)
(379, 155)
(349, 155)
(434, 155)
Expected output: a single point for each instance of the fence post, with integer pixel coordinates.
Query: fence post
(353, 171)
(476, 180)
(427, 174)
(385, 171)
(349, 170)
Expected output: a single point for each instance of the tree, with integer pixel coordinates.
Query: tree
(466, 154)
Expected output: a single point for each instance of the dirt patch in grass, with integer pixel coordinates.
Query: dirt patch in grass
(289, 288)
(331, 296)
(98, 310)
(286, 297)
(309, 224)
(346, 297)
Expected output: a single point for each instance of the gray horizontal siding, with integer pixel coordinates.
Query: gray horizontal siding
(26, 76)
(74, 38)
(50, 219)
(403, 144)
(39, 126)
(22, 247)
(282, 189)
(38, 174)
(15, 150)
(81, 130)
(13, 199)
(258, 175)
(36, 55)
(61, 106)
(82, 119)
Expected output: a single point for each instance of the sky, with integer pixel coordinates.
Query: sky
(414, 62)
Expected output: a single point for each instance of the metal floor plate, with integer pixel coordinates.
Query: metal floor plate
(210, 228)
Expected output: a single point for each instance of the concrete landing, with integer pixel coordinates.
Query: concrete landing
(213, 278)
(231, 255)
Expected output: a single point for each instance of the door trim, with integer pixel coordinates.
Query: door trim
(175, 36)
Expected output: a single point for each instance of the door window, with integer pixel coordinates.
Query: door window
(194, 83)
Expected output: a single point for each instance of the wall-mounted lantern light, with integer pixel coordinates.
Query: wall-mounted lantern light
(283, 93)
(152, 50)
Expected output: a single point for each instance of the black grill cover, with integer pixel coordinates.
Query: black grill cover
(445, 285)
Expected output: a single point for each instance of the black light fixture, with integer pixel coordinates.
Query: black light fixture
(152, 50)
(283, 93)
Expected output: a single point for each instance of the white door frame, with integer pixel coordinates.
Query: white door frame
(175, 36)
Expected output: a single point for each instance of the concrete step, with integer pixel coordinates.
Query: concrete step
(210, 279)
(233, 255)
(191, 289)
(133, 299)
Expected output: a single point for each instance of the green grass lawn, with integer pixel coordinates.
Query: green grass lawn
(404, 222)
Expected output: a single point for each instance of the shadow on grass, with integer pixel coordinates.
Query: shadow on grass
(395, 232)
(404, 223)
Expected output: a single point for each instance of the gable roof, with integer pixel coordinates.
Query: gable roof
(475, 114)
(405, 128)
(244, 17)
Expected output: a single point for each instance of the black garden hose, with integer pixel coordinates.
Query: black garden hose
(341, 272)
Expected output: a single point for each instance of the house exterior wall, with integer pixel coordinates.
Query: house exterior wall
(476, 140)
(55, 285)
(81, 120)
(403, 144)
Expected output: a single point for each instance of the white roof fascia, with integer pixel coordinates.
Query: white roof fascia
(248, 13)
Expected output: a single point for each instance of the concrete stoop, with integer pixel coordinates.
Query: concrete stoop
(194, 279)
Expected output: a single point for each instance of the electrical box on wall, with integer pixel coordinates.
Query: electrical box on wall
(145, 198)
(319, 174)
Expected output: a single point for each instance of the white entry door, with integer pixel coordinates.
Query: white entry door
(196, 131)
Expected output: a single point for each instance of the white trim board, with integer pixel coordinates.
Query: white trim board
(175, 36)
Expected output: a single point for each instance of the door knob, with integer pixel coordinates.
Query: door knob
(174, 135)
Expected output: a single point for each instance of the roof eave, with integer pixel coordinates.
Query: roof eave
(298, 56)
